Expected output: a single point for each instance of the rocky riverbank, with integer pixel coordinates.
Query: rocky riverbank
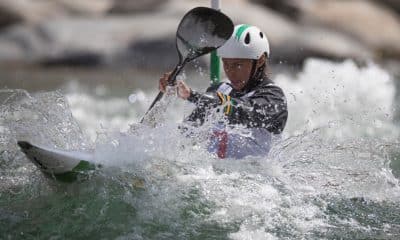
(141, 33)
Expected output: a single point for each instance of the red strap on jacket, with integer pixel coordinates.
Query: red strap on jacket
(222, 138)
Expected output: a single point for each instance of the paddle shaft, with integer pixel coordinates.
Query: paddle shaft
(201, 31)
(171, 82)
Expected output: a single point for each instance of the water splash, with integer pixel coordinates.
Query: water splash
(329, 177)
(356, 101)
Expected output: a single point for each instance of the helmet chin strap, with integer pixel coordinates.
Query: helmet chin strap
(253, 70)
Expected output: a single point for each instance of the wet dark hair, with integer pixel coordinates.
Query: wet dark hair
(258, 74)
(265, 68)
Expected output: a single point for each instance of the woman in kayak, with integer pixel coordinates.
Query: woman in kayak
(251, 99)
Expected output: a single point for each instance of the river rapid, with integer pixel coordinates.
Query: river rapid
(334, 174)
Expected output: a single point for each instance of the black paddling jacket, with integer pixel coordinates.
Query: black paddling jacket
(261, 104)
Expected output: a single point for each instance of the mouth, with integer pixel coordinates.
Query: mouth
(236, 82)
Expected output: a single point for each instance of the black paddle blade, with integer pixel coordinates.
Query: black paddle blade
(201, 31)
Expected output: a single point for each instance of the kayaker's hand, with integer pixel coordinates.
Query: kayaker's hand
(183, 90)
(162, 84)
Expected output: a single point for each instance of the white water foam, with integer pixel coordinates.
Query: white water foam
(336, 145)
(352, 101)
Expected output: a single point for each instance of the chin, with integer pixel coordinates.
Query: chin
(237, 85)
(237, 88)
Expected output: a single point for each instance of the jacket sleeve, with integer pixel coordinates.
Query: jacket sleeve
(203, 102)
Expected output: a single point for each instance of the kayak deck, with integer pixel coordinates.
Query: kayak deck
(59, 163)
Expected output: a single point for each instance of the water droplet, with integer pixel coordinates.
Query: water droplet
(132, 98)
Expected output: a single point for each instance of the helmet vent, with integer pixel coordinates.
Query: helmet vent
(261, 35)
(247, 38)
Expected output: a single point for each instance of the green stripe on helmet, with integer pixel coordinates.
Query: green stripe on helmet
(240, 31)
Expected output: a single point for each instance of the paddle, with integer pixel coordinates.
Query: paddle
(200, 31)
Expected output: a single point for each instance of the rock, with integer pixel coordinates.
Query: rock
(288, 8)
(33, 12)
(7, 16)
(322, 43)
(85, 40)
(11, 52)
(159, 53)
(147, 40)
(29, 11)
(376, 26)
(22, 44)
(86, 7)
(127, 6)
(394, 4)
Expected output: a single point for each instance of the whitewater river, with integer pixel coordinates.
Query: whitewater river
(333, 175)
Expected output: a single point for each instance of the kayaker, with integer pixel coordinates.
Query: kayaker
(251, 99)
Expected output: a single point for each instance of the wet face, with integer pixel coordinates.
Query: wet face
(238, 70)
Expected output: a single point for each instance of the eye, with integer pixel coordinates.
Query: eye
(261, 35)
(247, 38)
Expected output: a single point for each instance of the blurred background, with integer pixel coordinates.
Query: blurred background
(45, 44)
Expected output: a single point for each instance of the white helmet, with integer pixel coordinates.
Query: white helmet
(246, 42)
